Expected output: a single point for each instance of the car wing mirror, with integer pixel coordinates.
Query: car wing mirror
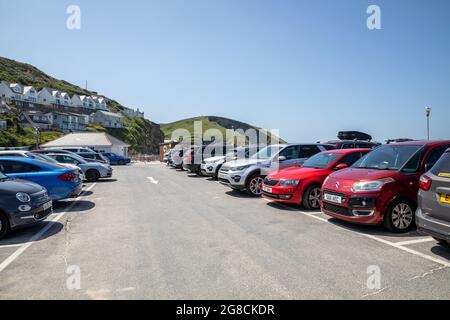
(341, 166)
(282, 158)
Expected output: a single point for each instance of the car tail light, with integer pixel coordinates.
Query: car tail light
(425, 183)
(67, 177)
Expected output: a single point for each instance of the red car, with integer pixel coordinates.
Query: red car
(301, 185)
(382, 187)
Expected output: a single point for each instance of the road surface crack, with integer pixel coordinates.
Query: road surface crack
(427, 273)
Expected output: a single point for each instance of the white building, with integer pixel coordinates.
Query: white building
(99, 141)
(46, 96)
(133, 113)
(5, 90)
(108, 119)
(100, 103)
(30, 94)
(83, 101)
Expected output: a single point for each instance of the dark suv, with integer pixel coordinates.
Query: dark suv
(433, 213)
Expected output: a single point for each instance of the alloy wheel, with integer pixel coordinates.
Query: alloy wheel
(255, 185)
(402, 216)
(314, 198)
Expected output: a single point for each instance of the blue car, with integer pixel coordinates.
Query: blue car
(116, 159)
(60, 182)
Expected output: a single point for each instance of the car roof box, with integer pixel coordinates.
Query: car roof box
(354, 135)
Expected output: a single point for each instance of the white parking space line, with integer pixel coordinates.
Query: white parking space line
(11, 246)
(400, 245)
(38, 235)
(406, 243)
(153, 180)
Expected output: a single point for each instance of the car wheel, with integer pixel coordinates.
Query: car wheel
(311, 197)
(121, 163)
(4, 225)
(92, 175)
(400, 216)
(254, 185)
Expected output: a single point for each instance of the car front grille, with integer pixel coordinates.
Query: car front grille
(337, 209)
(270, 182)
(271, 195)
(43, 214)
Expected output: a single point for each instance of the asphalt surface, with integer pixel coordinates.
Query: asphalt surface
(156, 233)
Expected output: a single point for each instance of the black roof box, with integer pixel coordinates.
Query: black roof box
(354, 135)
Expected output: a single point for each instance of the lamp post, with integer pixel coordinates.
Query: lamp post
(428, 113)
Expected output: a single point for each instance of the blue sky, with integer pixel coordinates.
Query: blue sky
(307, 67)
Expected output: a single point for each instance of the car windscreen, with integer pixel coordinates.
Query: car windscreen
(321, 160)
(442, 167)
(267, 152)
(388, 157)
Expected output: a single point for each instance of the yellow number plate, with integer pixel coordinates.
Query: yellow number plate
(445, 198)
(444, 175)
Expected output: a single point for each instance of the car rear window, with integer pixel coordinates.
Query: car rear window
(442, 167)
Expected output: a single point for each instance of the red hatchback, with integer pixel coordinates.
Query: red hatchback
(382, 187)
(301, 185)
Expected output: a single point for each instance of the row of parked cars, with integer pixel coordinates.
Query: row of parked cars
(397, 185)
(30, 181)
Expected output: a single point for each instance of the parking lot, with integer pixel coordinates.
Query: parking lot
(153, 232)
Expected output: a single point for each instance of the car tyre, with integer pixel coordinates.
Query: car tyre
(216, 174)
(4, 225)
(121, 163)
(400, 216)
(92, 175)
(254, 185)
(311, 197)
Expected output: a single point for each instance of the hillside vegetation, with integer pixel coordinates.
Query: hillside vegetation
(209, 122)
(142, 134)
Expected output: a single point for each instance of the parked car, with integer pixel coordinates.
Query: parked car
(73, 149)
(93, 157)
(433, 213)
(177, 155)
(116, 159)
(211, 166)
(249, 174)
(60, 182)
(382, 187)
(32, 155)
(22, 203)
(194, 158)
(302, 185)
(92, 171)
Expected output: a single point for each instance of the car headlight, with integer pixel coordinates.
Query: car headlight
(374, 185)
(240, 168)
(23, 197)
(289, 183)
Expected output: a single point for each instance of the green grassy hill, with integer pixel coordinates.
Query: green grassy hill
(208, 122)
(143, 135)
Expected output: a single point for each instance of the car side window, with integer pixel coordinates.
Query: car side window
(71, 160)
(350, 159)
(308, 151)
(413, 164)
(18, 167)
(434, 156)
(290, 153)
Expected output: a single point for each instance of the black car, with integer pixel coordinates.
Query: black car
(22, 203)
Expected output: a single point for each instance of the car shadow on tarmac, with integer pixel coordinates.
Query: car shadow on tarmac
(66, 206)
(442, 250)
(106, 180)
(24, 235)
(239, 194)
(374, 230)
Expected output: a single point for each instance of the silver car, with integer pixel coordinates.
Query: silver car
(249, 174)
(93, 171)
(211, 166)
(433, 213)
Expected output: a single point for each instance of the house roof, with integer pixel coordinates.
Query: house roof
(91, 139)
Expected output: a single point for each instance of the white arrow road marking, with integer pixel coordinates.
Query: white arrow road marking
(152, 180)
